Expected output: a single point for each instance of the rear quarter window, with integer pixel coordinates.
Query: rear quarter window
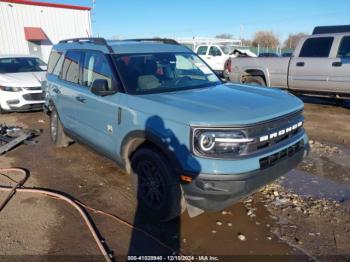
(317, 47)
(55, 63)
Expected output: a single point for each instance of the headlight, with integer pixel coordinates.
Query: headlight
(10, 88)
(219, 143)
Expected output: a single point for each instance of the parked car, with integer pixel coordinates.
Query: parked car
(158, 110)
(320, 65)
(20, 83)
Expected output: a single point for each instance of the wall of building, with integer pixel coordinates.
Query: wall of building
(57, 23)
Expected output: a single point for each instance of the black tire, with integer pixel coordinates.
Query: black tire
(58, 137)
(254, 80)
(158, 189)
(2, 111)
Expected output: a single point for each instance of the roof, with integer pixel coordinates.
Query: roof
(126, 47)
(331, 29)
(37, 3)
(326, 35)
(34, 34)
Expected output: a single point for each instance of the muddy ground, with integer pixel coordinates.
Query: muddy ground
(305, 214)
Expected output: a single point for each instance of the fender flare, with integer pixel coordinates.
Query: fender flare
(133, 140)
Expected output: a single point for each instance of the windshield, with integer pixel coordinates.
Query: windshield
(164, 72)
(228, 49)
(21, 65)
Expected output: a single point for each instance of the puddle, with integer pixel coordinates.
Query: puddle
(342, 158)
(308, 185)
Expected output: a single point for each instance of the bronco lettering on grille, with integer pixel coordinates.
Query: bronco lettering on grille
(281, 132)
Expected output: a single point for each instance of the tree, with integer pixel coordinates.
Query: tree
(224, 36)
(266, 39)
(293, 40)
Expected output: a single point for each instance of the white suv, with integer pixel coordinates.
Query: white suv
(20, 83)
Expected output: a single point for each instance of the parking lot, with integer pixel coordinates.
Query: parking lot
(306, 213)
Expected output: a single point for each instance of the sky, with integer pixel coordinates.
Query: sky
(208, 18)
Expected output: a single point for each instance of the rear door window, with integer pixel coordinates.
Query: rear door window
(317, 47)
(344, 48)
(70, 67)
(202, 50)
(96, 66)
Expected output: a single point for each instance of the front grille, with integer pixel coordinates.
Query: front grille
(279, 131)
(272, 160)
(33, 88)
(270, 128)
(34, 97)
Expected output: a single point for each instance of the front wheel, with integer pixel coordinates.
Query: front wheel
(58, 137)
(2, 111)
(157, 188)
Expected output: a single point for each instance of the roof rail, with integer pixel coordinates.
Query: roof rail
(331, 29)
(92, 40)
(162, 40)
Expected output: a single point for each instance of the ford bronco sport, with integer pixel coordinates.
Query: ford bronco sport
(158, 110)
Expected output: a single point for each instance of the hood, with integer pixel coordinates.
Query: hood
(27, 79)
(220, 105)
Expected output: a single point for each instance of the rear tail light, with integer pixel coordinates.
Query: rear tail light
(228, 65)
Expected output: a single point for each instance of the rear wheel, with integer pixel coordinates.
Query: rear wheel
(157, 188)
(254, 80)
(58, 137)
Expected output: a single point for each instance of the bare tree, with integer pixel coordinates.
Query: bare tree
(293, 40)
(266, 39)
(224, 36)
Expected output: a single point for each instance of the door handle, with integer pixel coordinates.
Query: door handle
(80, 99)
(337, 64)
(300, 64)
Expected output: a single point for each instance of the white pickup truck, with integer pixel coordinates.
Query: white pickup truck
(320, 65)
(216, 52)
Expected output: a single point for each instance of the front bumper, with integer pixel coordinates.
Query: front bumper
(27, 108)
(213, 192)
(21, 101)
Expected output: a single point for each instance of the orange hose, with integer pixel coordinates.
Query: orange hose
(78, 206)
(61, 197)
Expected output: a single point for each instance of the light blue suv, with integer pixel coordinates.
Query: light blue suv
(158, 110)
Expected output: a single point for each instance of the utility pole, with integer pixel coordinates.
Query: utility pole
(93, 11)
(241, 31)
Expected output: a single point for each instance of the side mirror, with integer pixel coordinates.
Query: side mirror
(100, 88)
(43, 67)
